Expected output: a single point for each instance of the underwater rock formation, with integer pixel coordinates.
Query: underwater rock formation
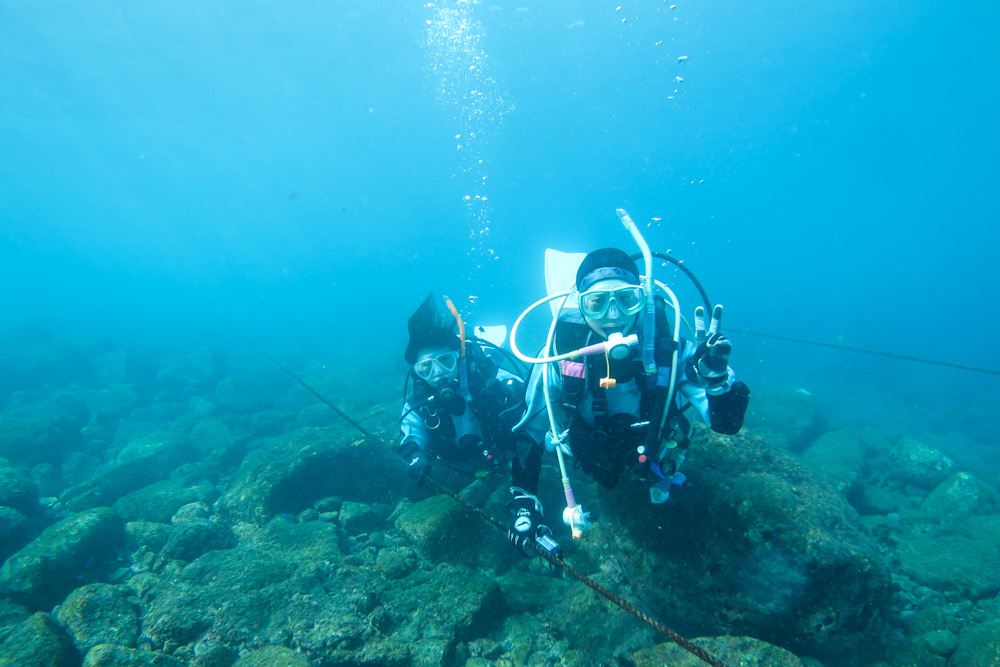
(38, 642)
(100, 614)
(47, 569)
(755, 545)
(293, 584)
(285, 475)
(145, 460)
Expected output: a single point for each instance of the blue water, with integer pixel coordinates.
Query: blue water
(308, 171)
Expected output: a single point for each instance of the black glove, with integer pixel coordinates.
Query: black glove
(526, 526)
(420, 464)
(712, 357)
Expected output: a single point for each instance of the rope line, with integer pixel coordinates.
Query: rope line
(893, 355)
(623, 604)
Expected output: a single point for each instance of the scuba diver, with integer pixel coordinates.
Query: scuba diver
(463, 404)
(616, 386)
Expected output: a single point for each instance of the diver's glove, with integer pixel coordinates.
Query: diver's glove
(711, 359)
(419, 463)
(527, 527)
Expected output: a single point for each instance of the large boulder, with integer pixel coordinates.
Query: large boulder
(440, 530)
(27, 443)
(42, 573)
(195, 537)
(754, 544)
(160, 500)
(960, 496)
(286, 475)
(978, 646)
(293, 584)
(145, 460)
(17, 490)
(913, 462)
(962, 557)
(38, 642)
(15, 531)
(100, 614)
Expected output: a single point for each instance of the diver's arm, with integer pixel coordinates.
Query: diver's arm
(415, 432)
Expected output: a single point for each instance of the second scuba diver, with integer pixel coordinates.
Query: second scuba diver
(463, 404)
(616, 402)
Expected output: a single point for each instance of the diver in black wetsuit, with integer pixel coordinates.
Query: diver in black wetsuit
(608, 410)
(462, 404)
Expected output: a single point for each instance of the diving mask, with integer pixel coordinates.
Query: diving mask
(595, 303)
(432, 366)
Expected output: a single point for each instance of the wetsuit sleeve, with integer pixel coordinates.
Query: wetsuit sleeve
(415, 432)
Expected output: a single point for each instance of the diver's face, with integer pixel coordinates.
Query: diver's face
(619, 311)
(438, 366)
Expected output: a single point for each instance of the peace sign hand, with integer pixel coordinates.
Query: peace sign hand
(712, 356)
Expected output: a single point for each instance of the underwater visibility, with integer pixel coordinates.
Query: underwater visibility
(470, 333)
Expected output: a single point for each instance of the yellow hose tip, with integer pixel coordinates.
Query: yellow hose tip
(577, 534)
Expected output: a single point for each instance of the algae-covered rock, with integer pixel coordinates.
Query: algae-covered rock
(196, 510)
(11, 615)
(272, 656)
(145, 460)
(160, 500)
(978, 646)
(438, 608)
(959, 496)
(100, 614)
(290, 583)
(195, 537)
(110, 655)
(964, 557)
(148, 534)
(42, 573)
(38, 642)
(357, 518)
(245, 584)
(743, 651)
(26, 442)
(212, 434)
(913, 462)
(163, 449)
(754, 544)
(441, 530)
(527, 591)
(396, 562)
(288, 474)
(15, 531)
(17, 490)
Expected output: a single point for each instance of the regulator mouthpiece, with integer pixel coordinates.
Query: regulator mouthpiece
(619, 346)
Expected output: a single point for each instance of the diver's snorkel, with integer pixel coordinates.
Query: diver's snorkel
(463, 374)
(649, 324)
